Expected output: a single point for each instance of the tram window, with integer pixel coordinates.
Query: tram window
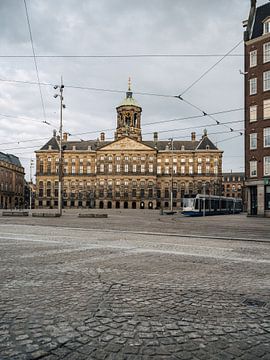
(196, 204)
(223, 204)
(207, 203)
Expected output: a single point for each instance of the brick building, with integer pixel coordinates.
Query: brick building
(233, 185)
(257, 109)
(11, 182)
(128, 172)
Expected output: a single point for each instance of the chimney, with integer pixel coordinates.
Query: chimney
(155, 136)
(54, 133)
(65, 136)
(102, 136)
(193, 136)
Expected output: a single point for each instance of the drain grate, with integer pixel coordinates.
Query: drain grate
(254, 302)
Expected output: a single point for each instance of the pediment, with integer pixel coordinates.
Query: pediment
(126, 143)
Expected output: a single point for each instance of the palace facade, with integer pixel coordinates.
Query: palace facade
(128, 172)
(11, 182)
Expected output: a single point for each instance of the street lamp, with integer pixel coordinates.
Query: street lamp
(171, 140)
(60, 175)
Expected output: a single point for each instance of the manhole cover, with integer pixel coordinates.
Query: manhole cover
(254, 302)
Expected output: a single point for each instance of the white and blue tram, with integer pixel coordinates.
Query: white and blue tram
(211, 205)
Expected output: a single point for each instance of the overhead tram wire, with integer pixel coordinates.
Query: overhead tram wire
(210, 69)
(27, 119)
(119, 56)
(35, 61)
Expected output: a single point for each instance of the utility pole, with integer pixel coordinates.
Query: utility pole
(60, 173)
(171, 140)
(204, 194)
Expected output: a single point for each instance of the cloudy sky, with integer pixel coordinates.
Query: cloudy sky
(118, 27)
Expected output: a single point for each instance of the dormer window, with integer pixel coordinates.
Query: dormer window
(266, 26)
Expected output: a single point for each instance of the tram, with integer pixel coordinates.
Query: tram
(211, 205)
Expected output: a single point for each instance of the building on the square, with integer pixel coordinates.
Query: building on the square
(128, 172)
(257, 109)
(11, 182)
(233, 184)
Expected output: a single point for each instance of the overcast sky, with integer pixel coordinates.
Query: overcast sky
(118, 27)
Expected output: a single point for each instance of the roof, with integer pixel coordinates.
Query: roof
(10, 158)
(129, 100)
(262, 12)
(206, 144)
(159, 145)
(230, 175)
(177, 145)
(53, 143)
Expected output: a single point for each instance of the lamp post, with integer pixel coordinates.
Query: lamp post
(171, 140)
(60, 175)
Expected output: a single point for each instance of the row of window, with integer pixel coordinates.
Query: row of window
(266, 167)
(142, 169)
(253, 55)
(125, 158)
(253, 111)
(253, 139)
(253, 83)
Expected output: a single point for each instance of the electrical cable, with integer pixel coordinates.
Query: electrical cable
(211, 68)
(35, 61)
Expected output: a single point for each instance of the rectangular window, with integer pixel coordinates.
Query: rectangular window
(183, 170)
(207, 169)
(158, 169)
(118, 158)
(81, 169)
(101, 168)
(199, 169)
(215, 170)
(118, 169)
(88, 169)
(266, 27)
(134, 168)
(151, 168)
(174, 169)
(253, 86)
(266, 165)
(266, 80)
(166, 169)
(266, 52)
(199, 160)
(253, 113)
(266, 137)
(110, 168)
(72, 169)
(191, 169)
(253, 141)
(253, 58)
(126, 168)
(183, 160)
(142, 168)
(266, 109)
(253, 168)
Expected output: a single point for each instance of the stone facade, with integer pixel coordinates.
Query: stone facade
(233, 184)
(257, 110)
(11, 182)
(127, 172)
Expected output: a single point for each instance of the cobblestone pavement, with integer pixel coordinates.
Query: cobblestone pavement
(88, 294)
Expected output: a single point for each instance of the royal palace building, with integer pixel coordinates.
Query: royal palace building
(128, 172)
(11, 182)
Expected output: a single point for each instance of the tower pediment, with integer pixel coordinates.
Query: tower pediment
(126, 143)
